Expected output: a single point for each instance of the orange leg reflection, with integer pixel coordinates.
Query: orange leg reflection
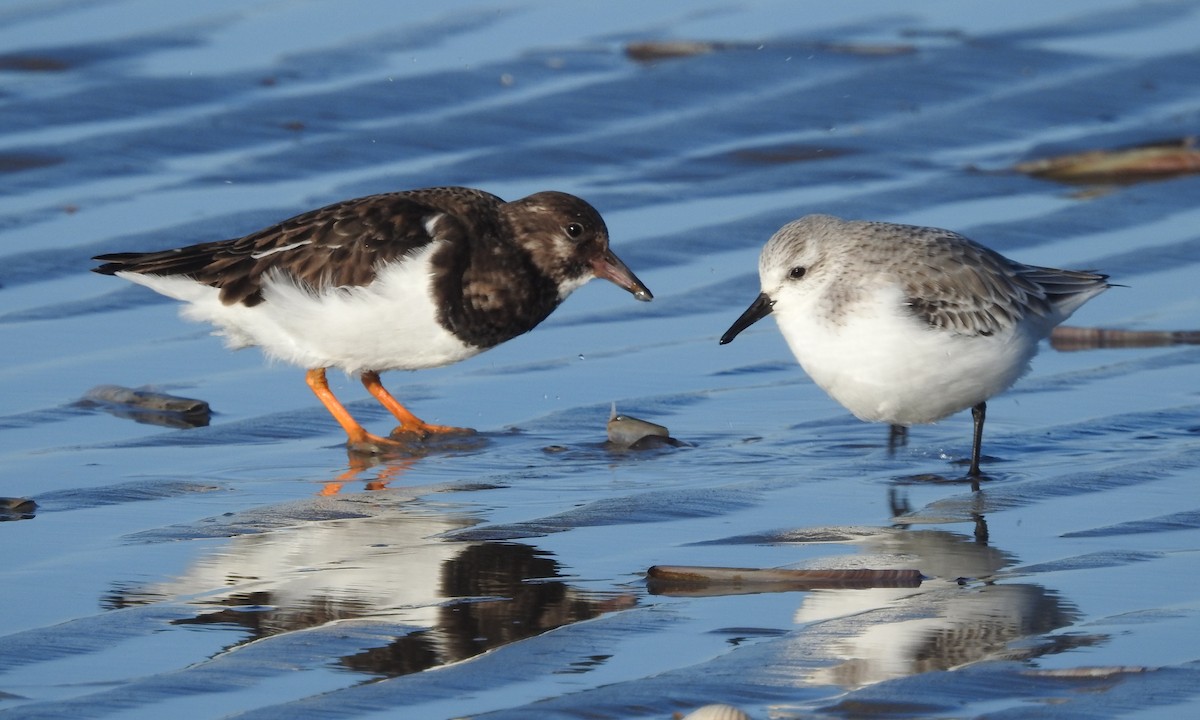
(358, 465)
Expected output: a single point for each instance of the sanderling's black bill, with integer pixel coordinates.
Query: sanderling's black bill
(759, 309)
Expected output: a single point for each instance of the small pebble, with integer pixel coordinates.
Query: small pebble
(627, 431)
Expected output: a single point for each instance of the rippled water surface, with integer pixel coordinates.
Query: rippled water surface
(250, 568)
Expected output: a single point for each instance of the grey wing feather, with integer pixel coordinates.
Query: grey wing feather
(961, 286)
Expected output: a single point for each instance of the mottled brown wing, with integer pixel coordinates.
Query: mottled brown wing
(955, 284)
(335, 246)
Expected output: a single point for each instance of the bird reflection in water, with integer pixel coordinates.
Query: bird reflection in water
(435, 601)
(942, 625)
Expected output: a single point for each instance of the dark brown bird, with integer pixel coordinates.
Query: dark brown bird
(397, 281)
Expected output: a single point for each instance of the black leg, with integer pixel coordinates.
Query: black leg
(981, 528)
(897, 437)
(978, 413)
(898, 505)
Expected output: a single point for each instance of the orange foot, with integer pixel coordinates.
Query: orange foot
(370, 444)
(403, 439)
(411, 427)
(422, 431)
(358, 440)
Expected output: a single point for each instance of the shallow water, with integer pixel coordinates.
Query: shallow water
(250, 568)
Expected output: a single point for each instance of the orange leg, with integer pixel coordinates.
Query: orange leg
(358, 438)
(409, 423)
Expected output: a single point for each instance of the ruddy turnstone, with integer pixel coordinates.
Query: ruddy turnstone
(906, 325)
(397, 281)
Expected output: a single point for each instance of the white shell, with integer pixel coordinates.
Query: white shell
(716, 712)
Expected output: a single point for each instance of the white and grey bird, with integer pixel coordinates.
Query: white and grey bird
(904, 324)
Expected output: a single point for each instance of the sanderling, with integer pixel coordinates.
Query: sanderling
(906, 325)
(398, 281)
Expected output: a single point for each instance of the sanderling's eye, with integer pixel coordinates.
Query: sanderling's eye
(796, 273)
(574, 230)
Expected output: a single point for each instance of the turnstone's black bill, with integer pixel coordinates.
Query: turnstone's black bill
(904, 324)
(398, 281)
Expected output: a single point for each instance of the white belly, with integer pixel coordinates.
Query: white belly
(885, 366)
(389, 325)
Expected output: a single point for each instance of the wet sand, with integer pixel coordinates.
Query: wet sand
(250, 568)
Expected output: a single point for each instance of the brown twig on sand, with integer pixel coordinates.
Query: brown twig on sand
(1068, 339)
(702, 580)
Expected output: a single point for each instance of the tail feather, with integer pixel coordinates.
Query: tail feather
(182, 261)
(1066, 290)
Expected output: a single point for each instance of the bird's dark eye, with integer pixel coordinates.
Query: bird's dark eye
(796, 273)
(574, 230)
